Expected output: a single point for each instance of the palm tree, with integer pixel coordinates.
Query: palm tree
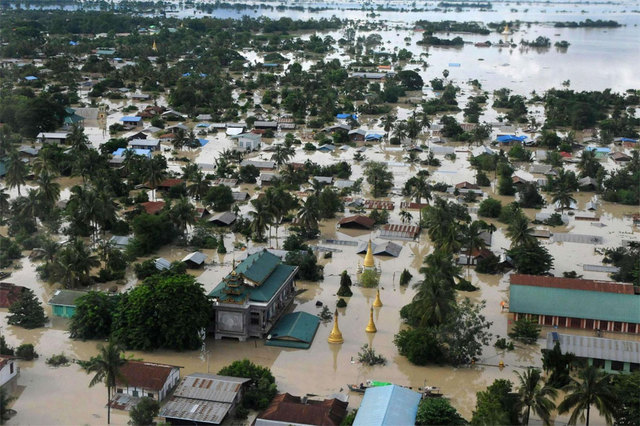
(534, 395)
(434, 300)
(420, 189)
(198, 186)
(472, 239)
(5, 205)
(563, 197)
(282, 154)
(400, 131)
(183, 214)
(388, 123)
(28, 206)
(309, 214)
(74, 263)
(106, 366)
(405, 216)
(519, 231)
(16, 172)
(594, 388)
(77, 139)
(155, 172)
(48, 189)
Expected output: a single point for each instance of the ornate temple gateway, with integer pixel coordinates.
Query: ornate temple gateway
(251, 299)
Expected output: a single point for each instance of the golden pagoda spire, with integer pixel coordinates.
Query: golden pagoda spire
(368, 258)
(154, 47)
(371, 327)
(377, 303)
(336, 335)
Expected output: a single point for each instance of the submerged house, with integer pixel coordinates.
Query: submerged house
(63, 302)
(286, 409)
(145, 379)
(390, 405)
(251, 299)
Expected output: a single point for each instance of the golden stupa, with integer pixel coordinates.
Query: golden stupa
(371, 327)
(377, 303)
(154, 47)
(336, 335)
(368, 258)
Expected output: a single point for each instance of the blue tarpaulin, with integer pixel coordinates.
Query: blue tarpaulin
(186, 74)
(31, 78)
(627, 140)
(510, 138)
(454, 64)
(203, 142)
(372, 137)
(73, 43)
(355, 117)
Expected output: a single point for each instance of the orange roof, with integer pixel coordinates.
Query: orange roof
(571, 283)
(153, 207)
(146, 375)
(168, 183)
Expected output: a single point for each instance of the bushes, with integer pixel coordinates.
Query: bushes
(93, 315)
(490, 208)
(345, 284)
(525, 330)
(262, 387)
(405, 277)
(58, 360)
(419, 345)
(26, 351)
(369, 279)
(308, 268)
(9, 250)
(27, 311)
(368, 356)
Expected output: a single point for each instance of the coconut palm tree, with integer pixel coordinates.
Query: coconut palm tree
(388, 123)
(593, 388)
(309, 214)
(182, 214)
(77, 139)
(405, 216)
(28, 206)
(563, 197)
(106, 366)
(74, 263)
(519, 231)
(5, 205)
(199, 186)
(472, 237)
(434, 300)
(534, 395)
(16, 172)
(48, 189)
(419, 189)
(282, 154)
(155, 172)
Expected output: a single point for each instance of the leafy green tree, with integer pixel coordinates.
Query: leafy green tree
(307, 263)
(144, 412)
(594, 387)
(498, 405)
(329, 203)
(27, 311)
(182, 215)
(535, 395)
(564, 198)
(262, 386)
(505, 186)
(438, 411)
(626, 259)
(248, 173)
(532, 259)
(411, 80)
(420, 345)
(627, 388)
(559, 364)
(530, 198)
(525, 330)
(489, 208)
(93, 316)
(519, 232)
(219, 197)
(150, 233)
(379, 177)
(26, 351)
(163, 312)
(465, 332)
(106, 366)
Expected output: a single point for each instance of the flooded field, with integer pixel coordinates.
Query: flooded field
(597, 59)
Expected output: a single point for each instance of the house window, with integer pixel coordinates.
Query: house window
(562, 321)
(575, 322)
(11, 367)
(617, 365)
(255, 318)
(150, 395)
(548, 320)
(617, 326)
(598, 363)
(135, 393)
(119, 390)
(604, 325)
(588, 324)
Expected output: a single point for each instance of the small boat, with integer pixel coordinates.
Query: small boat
(431, 392)
(362, 387)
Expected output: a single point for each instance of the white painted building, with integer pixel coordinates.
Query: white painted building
(8, 369)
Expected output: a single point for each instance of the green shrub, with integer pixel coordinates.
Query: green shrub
(405, 277)
(26, 351)
(525, 330)
(369, 279)
(341, 303)
(58, 360)
(490, 208)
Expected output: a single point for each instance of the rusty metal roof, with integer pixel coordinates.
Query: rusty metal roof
(210, 387)
(196, 410)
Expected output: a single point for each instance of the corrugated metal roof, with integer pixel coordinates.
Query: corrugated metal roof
(195, 410)
(66, 297)
(388, 406)
(571, 283)
(196, 257)
(210, 387)
(296, 330)
(597, 347)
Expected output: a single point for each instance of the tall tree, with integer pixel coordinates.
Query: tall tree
(182, 214)
(155, 172)
(48, 190)
(379, 177)
(563, 197)
(106, 366)
(519, 231)
(16, 173)
(593, 388)
(534, 395)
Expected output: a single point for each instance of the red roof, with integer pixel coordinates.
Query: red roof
(145, 375)
(467, 185)
(565, 154)
(168, 183)
(363, 221)
(572, 283)
(377, 204)
(408, 205)
(286, 408)
(9, 294)
(167, 136)
(402, 229)
(153, 207)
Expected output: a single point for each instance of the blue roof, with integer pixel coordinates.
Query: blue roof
(31, 78)
(269, 65)
(137, 151)
(627, 140)
(186, 74)
(388, 405)
(372, 136)
(294, 330)
(454, 64)
(202, 74)
(510, 138)
(598, 149)
(73, 43)
(131, 119)
(203, 142)
(355, 117)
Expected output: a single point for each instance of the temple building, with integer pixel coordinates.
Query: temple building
(251, 299)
